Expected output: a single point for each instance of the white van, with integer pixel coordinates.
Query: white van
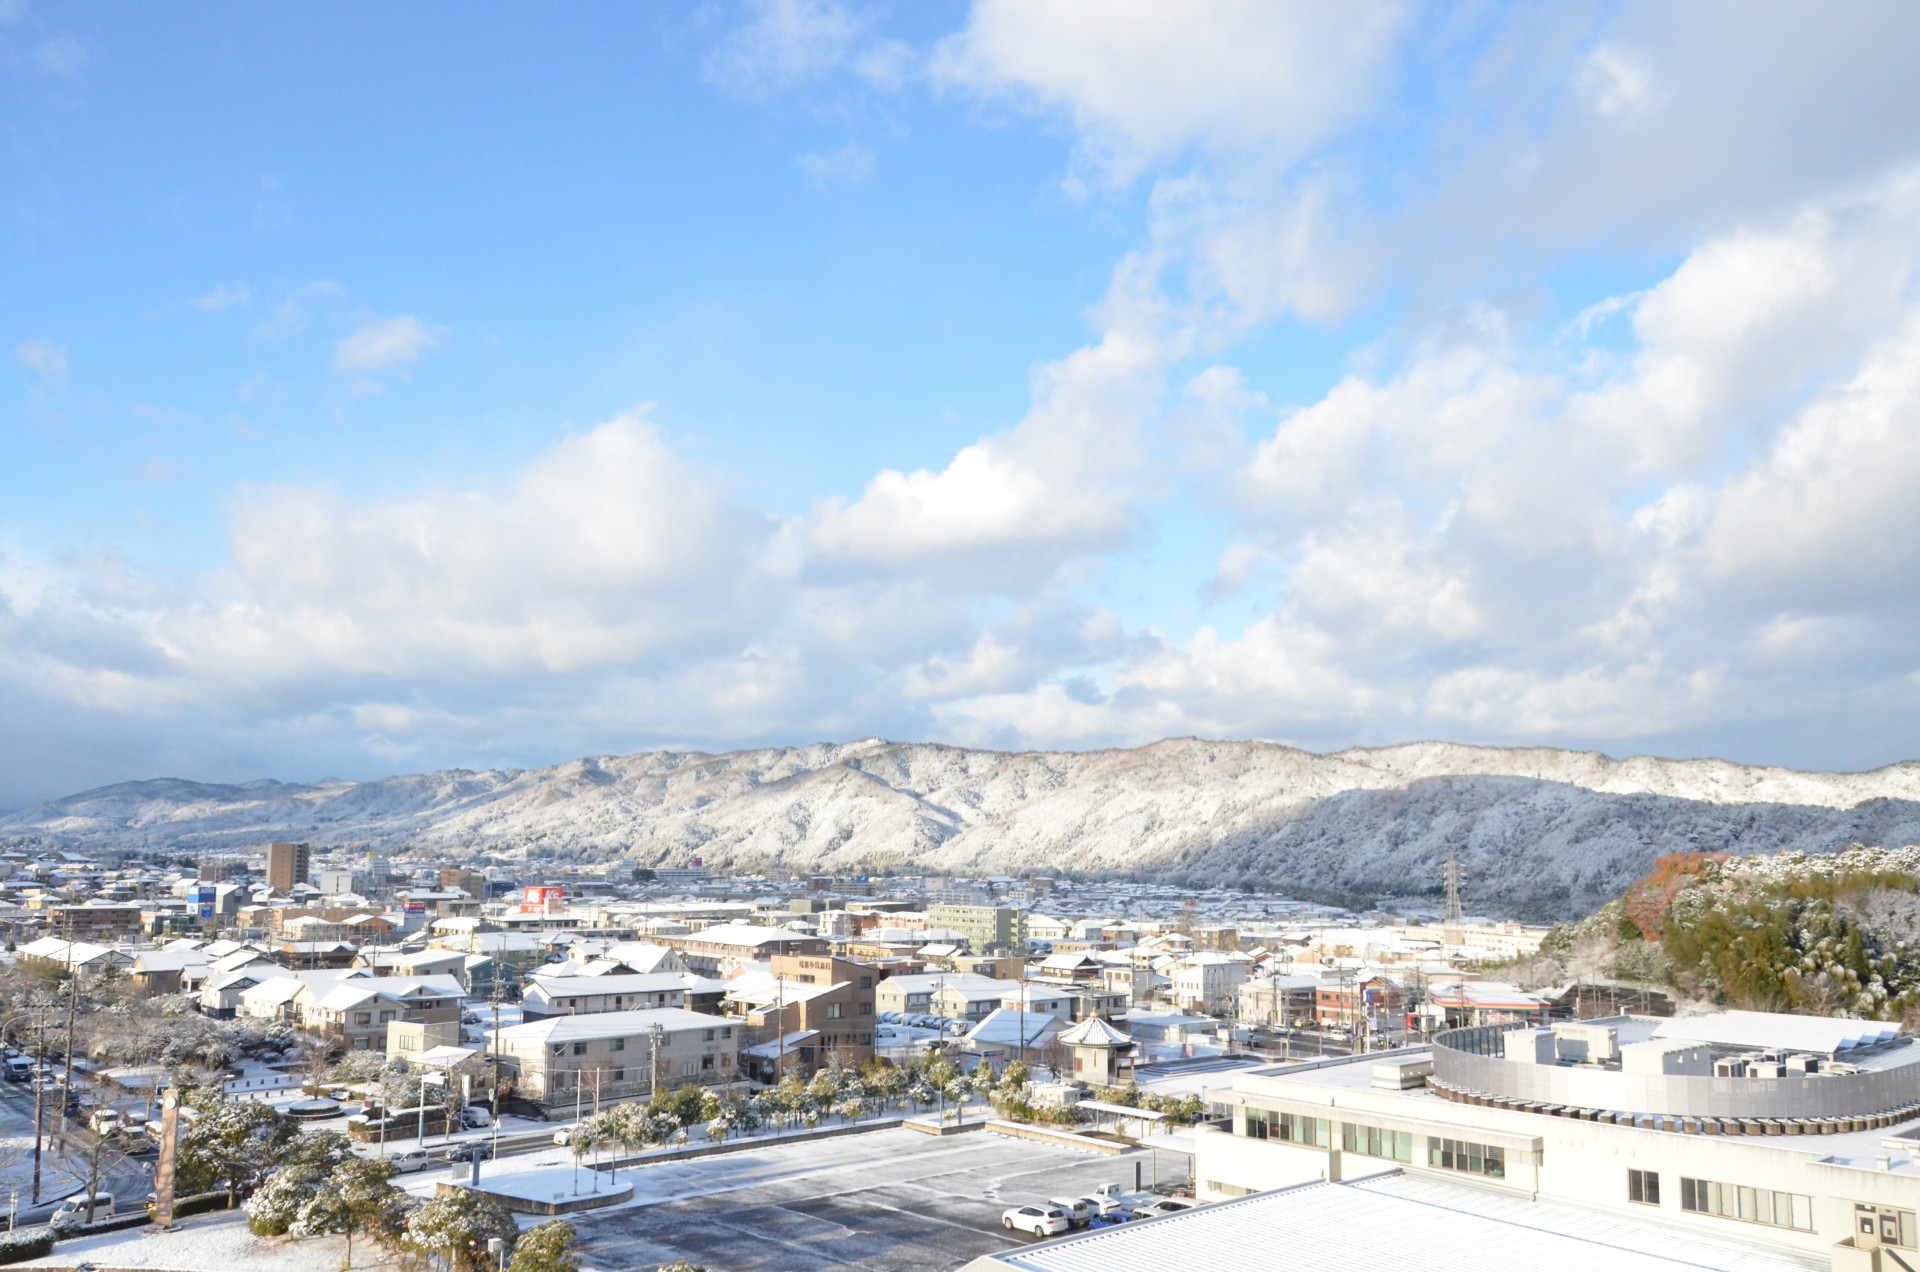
(104, 1121)
(73, 1211)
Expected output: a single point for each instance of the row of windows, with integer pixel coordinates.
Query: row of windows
(620, 1044)
(1377, 1141)
(1374, 1141)
(1473, 1159)
(1754, 1205)
(1293, 1128)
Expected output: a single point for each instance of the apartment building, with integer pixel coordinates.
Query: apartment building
(580, 995)
(809, 1009)
(1208, 982)
(729, 946)
(287, 865)
(989, 929)
(563, 1059)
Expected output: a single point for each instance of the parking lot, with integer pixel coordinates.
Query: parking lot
(884, 1200)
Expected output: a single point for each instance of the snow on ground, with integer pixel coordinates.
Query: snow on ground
(204, 1243)
(554, 1183)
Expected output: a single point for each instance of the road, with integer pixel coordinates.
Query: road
(64, 1163)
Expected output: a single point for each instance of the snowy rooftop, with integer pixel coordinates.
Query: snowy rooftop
(1766, 1030)
(1383, 1222)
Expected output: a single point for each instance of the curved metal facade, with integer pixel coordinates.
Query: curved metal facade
(1471, 1060)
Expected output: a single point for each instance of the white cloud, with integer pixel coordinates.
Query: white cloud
(383, 345)
(45, 359)
(1142, 81)
(788, 43)
(845, 165)
(224, 296)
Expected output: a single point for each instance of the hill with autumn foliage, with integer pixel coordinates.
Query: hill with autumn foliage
(1827, 934)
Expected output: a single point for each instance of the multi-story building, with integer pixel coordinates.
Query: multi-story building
(1208, 982)
(989, 929)
(614, 1055)
(581, 995)
(808, 1009)
(1793, 1131)
(729, 946)
(1279, 1002)
(288, 864)
(353, 1014)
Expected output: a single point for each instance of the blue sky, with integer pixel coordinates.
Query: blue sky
(396, 389)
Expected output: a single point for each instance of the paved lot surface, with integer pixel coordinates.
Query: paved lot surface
(885, 1200)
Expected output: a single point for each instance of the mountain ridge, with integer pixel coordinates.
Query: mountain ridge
(1541, 830)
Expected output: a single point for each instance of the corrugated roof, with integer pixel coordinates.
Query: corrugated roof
(1395, 1221)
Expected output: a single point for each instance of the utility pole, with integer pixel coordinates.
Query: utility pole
(39, 1098)
(73, 1001)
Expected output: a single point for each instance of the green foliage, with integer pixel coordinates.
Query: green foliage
(1840, 943)
(546, 1247)
(234, 1141)
(456, 1228)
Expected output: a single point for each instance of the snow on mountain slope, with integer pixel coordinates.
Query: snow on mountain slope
(1541, 831)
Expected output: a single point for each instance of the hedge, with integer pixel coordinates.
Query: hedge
(28, 1243)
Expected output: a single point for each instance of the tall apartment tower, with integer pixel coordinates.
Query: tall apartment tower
(287, 864)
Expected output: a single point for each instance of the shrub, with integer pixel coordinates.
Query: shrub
(18, 1247)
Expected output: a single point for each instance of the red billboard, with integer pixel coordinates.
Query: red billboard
(543, 900)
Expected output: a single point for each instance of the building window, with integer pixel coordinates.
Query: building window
(1374, 1141)
(1473, 1159)
(618, 1075)
(1891, 1227)
(1753, 1205)
(1290, 1128)
(727, 1032)
(835, 1011)
(706, 1064)
(362, 1017)
(1228, 1190)
(866, 1009)
(579, 1048)
(1643, 1186)
(706, 1035)
(619, 1044)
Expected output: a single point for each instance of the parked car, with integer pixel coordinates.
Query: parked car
(1041, 1221)
(73, 1211)
(1164, 1206)
(475, 1117)
(411, 1160)
(1080, 1210)
(563, 1136)
(471, 1150)
(104, 1121)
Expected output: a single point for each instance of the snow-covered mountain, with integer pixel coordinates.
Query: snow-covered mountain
(1540, 831)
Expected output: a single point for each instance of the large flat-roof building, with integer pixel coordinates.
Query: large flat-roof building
(1788, 1131)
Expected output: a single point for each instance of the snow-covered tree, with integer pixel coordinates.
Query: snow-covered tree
(546, 1247)
(456, 1227)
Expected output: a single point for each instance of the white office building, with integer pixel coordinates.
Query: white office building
(1794, 1133)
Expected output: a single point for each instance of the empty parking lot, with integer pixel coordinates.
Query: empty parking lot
(884, 1200)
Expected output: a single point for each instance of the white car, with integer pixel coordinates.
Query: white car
(1041, 1221)
(563, 1136)
(411, 1160)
